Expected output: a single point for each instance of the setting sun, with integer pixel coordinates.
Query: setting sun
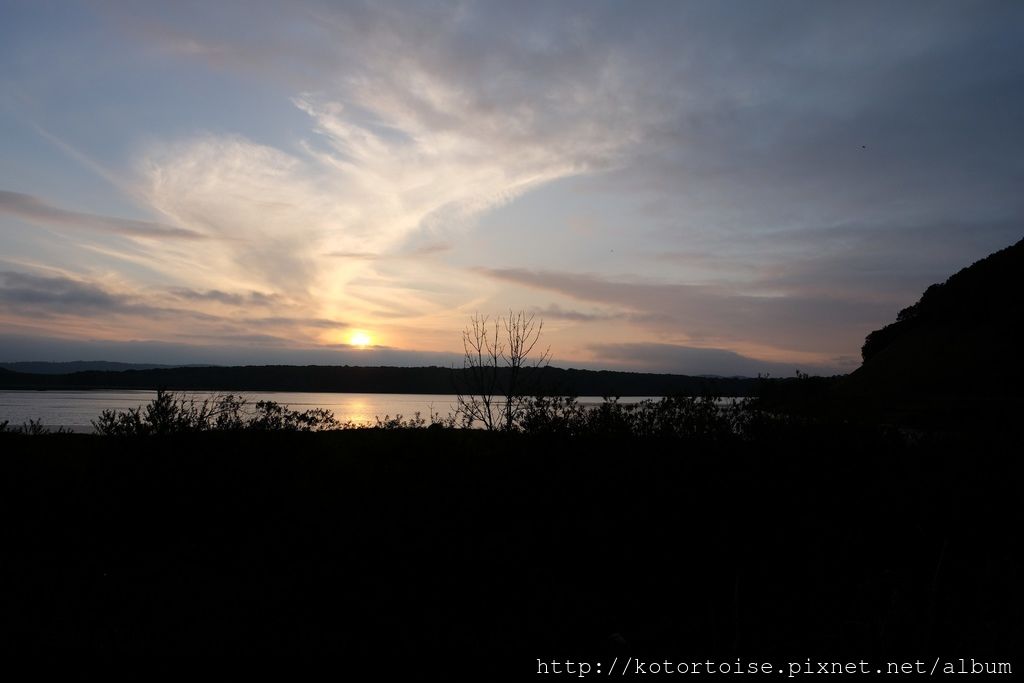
(360, 339)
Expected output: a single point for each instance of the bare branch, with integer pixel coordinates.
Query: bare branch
(500, 369)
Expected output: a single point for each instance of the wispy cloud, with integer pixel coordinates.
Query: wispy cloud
(244, 349)
(35, 210)
(429, 249)
(356, 255)
(713, 315)
(556, 312)
(408, 141)
(765, 181)
(228, 298)
(689, 360)
(38, 295)
(27, 299)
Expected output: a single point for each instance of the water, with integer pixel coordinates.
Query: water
(75, 410)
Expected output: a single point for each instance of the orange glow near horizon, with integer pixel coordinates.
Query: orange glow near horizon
(360, 339)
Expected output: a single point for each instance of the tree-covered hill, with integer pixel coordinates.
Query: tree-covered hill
(962, 338)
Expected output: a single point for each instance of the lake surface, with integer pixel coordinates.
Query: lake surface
(75, 410)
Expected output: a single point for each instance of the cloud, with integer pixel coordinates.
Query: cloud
(243, 299)
(85, 305)
(772, 179)
(713, 314)
(268, 214)
(283, 321)
(412, 134)
(35, 210)
(418, 251)
(688, 360)
(430, 249)
(355, 189)
(556, 312)
(893, 263)
(357, 255)
(44, 295)
(242, 350)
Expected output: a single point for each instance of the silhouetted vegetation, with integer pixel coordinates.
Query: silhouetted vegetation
(951, 358)
(406, 545)
(168, 414)
(671, 417)
(589, 531)
(500, 371)
(706, 417)
(68, 367)
(989, 291)
(31, 428)
(171, 413)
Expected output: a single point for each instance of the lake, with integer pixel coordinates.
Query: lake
(75, 410)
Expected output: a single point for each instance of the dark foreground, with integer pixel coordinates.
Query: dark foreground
(498, 551)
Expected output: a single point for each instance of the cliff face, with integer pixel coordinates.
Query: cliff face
(963, 337)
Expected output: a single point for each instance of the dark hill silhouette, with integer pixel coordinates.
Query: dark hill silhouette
(67, 367)
(961, 340)
(386, 380)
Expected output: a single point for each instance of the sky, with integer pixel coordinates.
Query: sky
(724, 188)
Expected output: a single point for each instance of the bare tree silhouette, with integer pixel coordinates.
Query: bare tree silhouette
(500, 369)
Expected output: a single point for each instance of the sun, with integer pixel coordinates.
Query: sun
(360, 339)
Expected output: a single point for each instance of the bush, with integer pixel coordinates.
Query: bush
(30, 428)
(676, 417)
(167, 414)
(273, 417)
(554, 415)
(672, 417)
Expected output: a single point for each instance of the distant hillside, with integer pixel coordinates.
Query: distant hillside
(962, 338)
(68, 367)
(396, 380)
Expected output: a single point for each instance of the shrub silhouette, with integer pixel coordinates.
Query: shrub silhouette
(673, 417)
(167, 414)
(33, 428)
(500, 370)
(561, 415)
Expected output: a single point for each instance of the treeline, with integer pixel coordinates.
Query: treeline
(384, 380)
(67, 367)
